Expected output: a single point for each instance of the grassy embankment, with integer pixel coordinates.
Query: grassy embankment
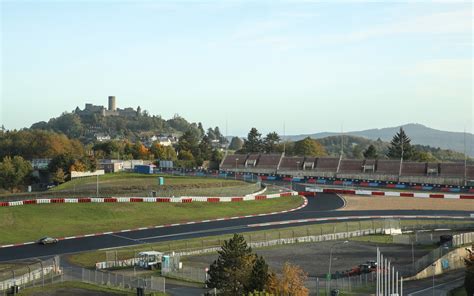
(131, 184)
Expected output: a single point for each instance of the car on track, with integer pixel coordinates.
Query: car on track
(47, 240)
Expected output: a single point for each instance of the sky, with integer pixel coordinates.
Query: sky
(307, 66)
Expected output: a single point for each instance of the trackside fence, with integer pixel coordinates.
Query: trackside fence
(116, 280)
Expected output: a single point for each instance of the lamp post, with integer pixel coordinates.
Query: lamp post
(330, 262)
(235, 175)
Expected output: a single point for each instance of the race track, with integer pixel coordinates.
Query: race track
(323, 205)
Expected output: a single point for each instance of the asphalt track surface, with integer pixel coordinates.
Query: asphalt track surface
(323, 205)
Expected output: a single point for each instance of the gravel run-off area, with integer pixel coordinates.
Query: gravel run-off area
(356, 203)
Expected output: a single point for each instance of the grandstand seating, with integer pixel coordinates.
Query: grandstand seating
(369, 165)
(351, 166)
(390, 167)
(252, 160)
(414, 169)
(451, 169)
(268, 161)
(326, 164)
(309, 163)
(432, 169)
(292, 163)
(470, 172)
(230, 161)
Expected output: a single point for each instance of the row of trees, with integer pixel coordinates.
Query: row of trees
(353, 147)
(272, 143)
(239, 271)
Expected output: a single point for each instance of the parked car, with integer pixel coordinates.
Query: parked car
(47, 240)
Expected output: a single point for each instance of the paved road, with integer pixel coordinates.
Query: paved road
(320, 206)
(442, 284)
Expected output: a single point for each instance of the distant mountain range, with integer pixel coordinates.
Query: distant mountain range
(418, 133)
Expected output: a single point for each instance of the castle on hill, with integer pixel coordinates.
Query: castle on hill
(112, 110)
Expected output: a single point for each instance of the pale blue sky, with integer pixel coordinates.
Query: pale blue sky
(313, 65)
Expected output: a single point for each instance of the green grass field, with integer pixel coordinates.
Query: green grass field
(27, 223)
(77, 288)
(142, 184)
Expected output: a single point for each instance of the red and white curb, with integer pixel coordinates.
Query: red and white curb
(390, 193)
(305, 203)
(182, 199)
(360, 218)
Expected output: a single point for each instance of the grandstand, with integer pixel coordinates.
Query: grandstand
(414, 169)
(231, 162)
(292, 163)
(384, 170)
(470, 172)
(388, 167)
(351, 166)
(451, 170)
(326, 164)
(269, 161)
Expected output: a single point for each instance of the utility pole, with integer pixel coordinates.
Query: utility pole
(465, 159)
(342, 150)
(401, 157)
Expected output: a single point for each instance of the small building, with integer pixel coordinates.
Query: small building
(144, 169)
(111, 165)
(40, 163)
(167, 164)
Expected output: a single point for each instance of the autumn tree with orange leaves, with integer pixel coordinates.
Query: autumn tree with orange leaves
(290, 282)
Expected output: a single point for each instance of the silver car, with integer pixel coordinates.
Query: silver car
(47, 240)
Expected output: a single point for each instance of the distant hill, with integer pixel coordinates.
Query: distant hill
(418, 133)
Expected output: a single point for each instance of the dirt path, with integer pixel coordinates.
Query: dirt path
(405, 203)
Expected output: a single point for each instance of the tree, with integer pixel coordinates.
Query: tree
(189, 142)
(253, 143)
(201, 130)
(231, 273)
(291, 282)
(357, 151)
(236, 143)
(205, 148)
(59, 176)
(309, 147)
(400, 144)
(424, 156)
(259, 276)
(270, 142)
(370, 152)
(469, 276)
(14, 172)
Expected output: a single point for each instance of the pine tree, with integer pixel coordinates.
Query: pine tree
(400, 144)
(237, 271)
(260, 276)
(370, 152)
(270, 142)
(253, 143)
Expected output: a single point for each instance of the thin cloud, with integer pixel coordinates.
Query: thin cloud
(438, 23)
